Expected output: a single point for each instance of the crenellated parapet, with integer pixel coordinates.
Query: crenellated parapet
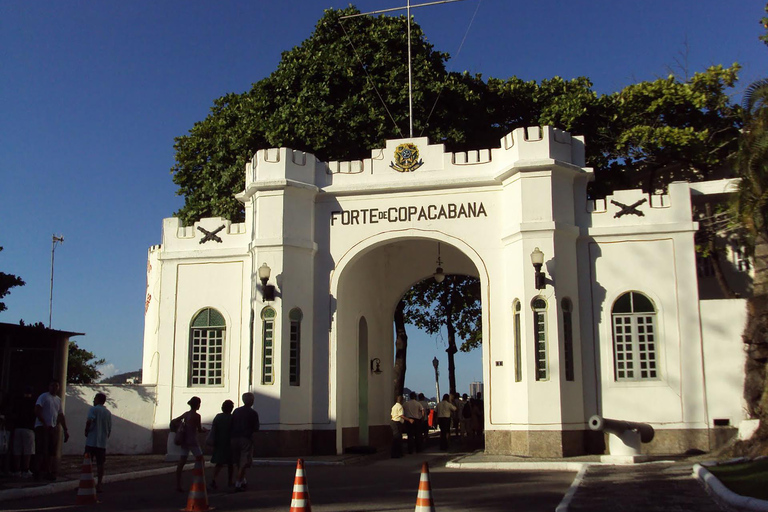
(635, 208)
(415, 163)
(277, 164)
(542, 143)
(206, 234)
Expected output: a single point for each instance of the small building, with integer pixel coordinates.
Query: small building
(32, 355)
(296, 302)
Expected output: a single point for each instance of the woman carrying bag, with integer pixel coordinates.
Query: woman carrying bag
(190, 424)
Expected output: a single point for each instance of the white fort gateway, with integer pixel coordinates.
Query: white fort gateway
(617, 326)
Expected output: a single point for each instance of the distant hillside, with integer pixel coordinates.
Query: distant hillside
(123, 378)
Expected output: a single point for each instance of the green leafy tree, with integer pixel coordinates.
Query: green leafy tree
(343, 92)
(751, 210)
(8, 281)
(666, 130)
(453, 304)
(82, 366)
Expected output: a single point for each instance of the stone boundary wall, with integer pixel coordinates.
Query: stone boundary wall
(132, 408)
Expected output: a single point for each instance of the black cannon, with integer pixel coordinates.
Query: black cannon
(627, 436)
(619, 427)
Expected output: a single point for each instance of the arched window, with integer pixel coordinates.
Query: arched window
(268, 345)
(634, 337)
(539, 307)
(518, 343)
(567, 307)
(294, 366)
(206, 348)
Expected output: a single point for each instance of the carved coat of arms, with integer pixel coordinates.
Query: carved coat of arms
(406, 158)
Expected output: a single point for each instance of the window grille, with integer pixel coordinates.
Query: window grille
(206, 346)
(267, 341)
(294, 366)
(518, 343)
(539, 307)
(567, 307)
(634, 338)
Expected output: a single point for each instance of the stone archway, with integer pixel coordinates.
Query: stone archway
(368, 283)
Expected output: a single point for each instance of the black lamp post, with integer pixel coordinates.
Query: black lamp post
(436, 363)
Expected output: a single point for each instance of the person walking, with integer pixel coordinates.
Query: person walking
(245, 424)
(414, 412)
(186, 437)
(444, 411)
(49, 416)
(466, 419)
(98, 427)
(221, 432)
(397, 419)
(425, 419)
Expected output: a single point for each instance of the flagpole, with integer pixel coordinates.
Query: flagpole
(58, 239)
(410, 74)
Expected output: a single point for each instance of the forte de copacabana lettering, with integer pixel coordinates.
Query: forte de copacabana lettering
(408, 213)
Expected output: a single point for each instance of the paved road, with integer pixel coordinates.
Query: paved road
(652, 487)
(380, 485)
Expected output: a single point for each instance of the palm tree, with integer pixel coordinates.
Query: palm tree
(751, 210)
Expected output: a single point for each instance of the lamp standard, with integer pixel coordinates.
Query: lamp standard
(59, 239)
(436, 363)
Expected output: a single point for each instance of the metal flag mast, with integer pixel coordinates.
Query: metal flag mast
(407, 7)
(55, 239)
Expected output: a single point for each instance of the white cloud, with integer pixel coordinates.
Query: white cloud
(107, 370)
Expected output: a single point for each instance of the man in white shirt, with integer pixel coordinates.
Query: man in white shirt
(396, 422)
(49, 416)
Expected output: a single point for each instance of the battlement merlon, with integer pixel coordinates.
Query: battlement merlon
(206, 234)
(542, 143)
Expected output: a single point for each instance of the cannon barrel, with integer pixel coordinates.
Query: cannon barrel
(617, 427)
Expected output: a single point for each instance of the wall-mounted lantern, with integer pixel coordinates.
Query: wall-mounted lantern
(439, 274)
(376, 365)
(267, 290)
(539, 279)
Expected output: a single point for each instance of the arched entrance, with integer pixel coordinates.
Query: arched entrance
(367, 284)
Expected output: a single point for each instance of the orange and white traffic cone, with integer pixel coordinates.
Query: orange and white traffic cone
(424, 501)
(86, 492)
(197, 501)
(300, 497)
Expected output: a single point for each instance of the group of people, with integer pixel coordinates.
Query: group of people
(36, 426)
(412, 418)
(231, 436)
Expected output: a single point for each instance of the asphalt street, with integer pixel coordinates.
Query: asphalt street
(372, 485)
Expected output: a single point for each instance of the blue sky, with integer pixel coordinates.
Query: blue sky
(93, 94)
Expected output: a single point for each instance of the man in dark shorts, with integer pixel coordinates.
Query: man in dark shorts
(98, 427)
(245, 424)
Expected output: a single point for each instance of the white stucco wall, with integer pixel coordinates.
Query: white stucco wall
(722, 322)
(132, 408)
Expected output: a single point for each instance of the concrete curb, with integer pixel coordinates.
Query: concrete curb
(531, 466)
(69, 485)
(716, 488)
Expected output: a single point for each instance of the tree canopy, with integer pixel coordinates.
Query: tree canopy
(8, 281)
(82, 365)
(343, 92)
(453, 304)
